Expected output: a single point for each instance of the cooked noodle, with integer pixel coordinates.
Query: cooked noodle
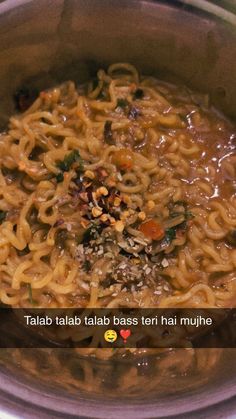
(120, 192)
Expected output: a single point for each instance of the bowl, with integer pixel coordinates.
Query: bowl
(44, 43)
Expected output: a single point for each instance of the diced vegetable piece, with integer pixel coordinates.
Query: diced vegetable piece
(123, 159)
(152, 229)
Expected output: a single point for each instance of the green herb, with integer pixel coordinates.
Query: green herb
(3, 215)
(91, 233)
(231, 238)
(87, 235)
(188, 215)
(72, 157)
(30, 294)
(122, 103)
(170, 234)
(138, 94)
(176, 214)
(87, 265)
(108, 132)
(60, 177)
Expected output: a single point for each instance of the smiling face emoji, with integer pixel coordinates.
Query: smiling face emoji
(110, 336)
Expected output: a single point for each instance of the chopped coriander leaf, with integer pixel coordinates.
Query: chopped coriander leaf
(60, 177)
(91, 233)
(188, 215)
(72, 157)
(3, 215)
(87, 235)
(170, 234)
(183, 203)
(176, 214)
(108, 133)
(138, 94)
(122, 103)
(231, 238)
(87, 265)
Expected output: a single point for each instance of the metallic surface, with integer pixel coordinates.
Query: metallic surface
(44, 42)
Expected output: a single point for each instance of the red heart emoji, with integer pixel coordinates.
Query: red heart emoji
(125, 333)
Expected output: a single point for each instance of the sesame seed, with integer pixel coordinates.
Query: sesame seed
(140, 241)
(165, 263)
